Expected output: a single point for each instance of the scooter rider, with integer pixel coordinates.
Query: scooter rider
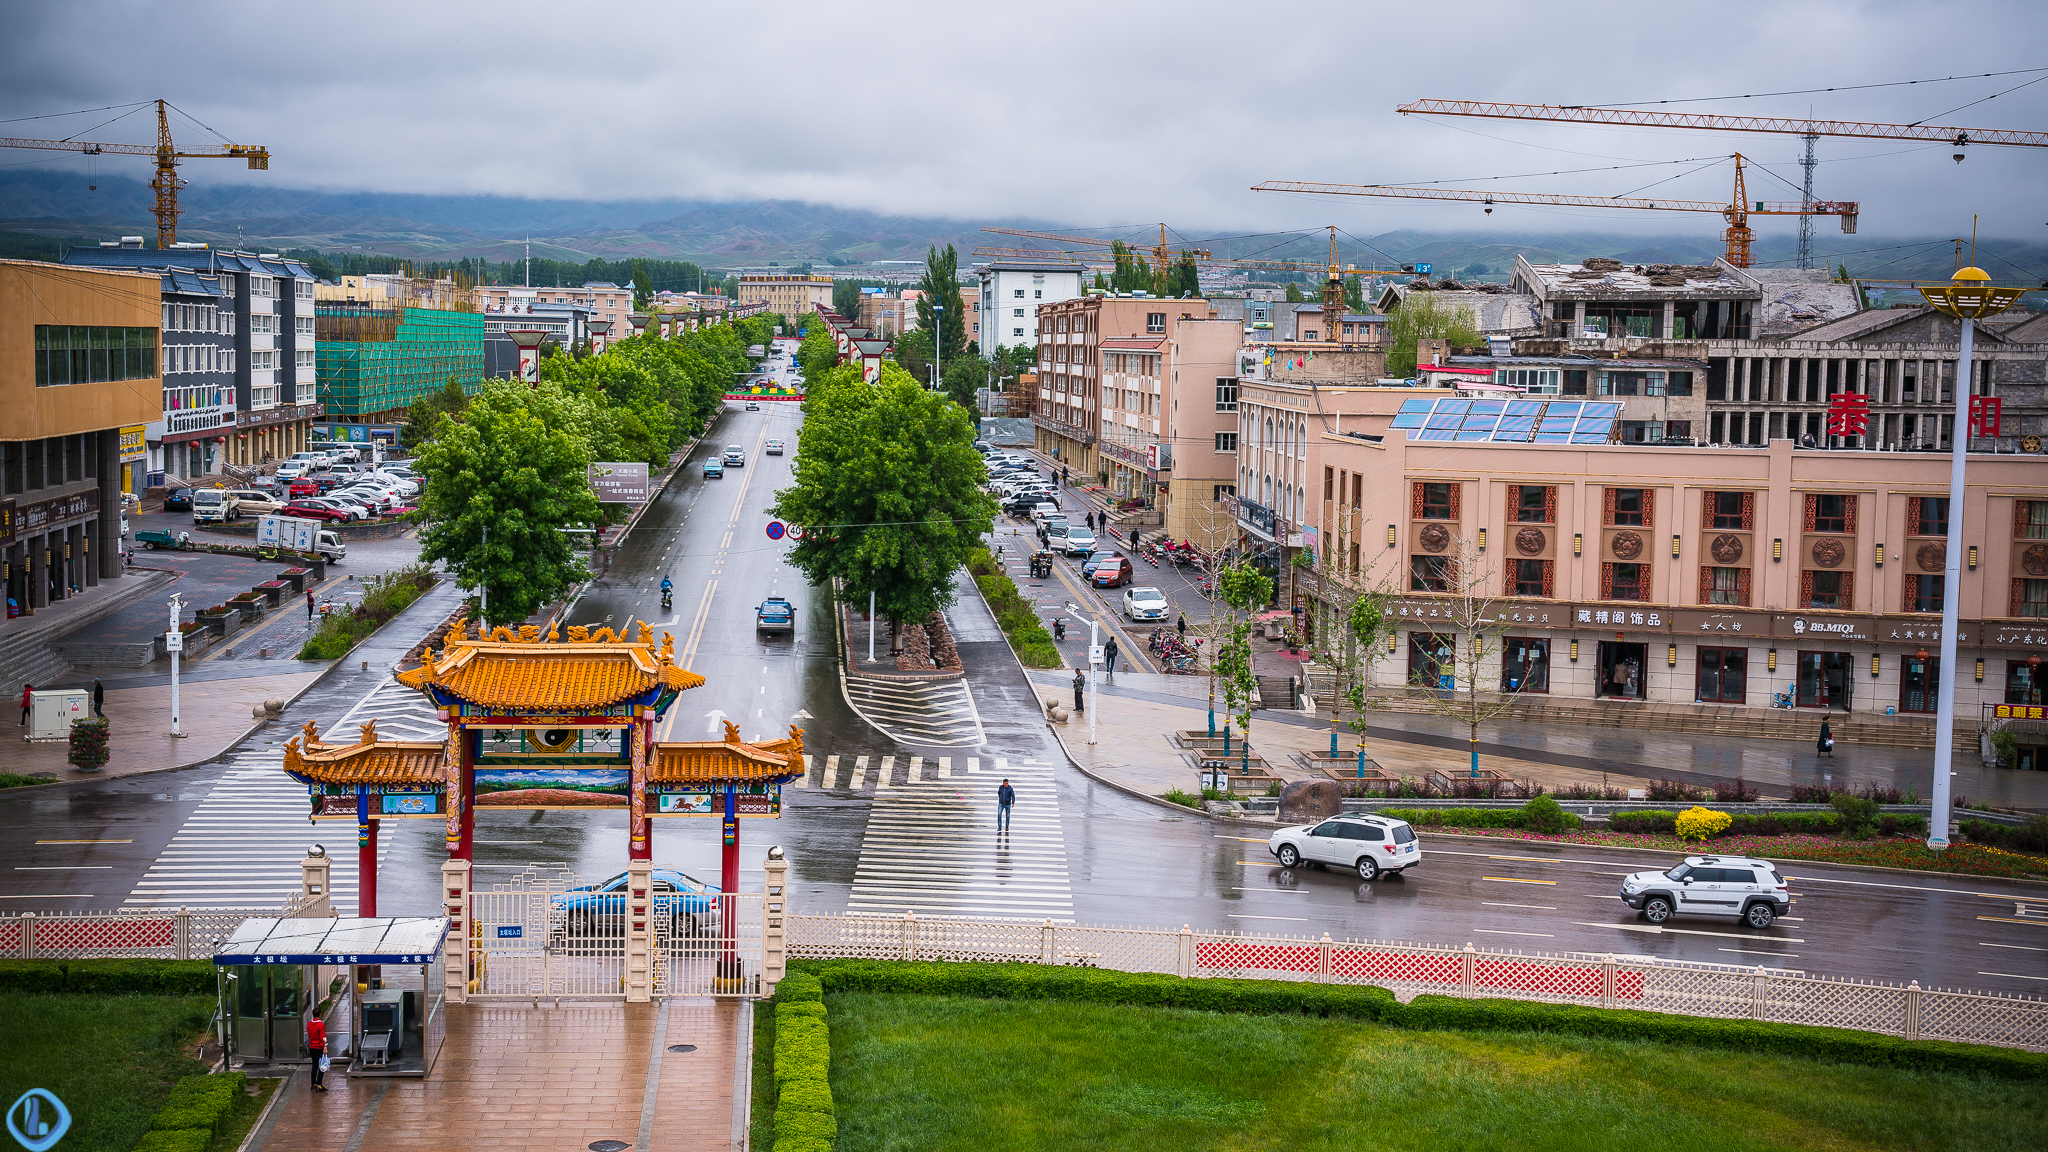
(667, 590)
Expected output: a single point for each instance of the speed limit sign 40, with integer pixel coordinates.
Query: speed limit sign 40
(796, 532)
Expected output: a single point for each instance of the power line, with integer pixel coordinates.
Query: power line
(1815, 91)
(1974, 103)
(80, 112)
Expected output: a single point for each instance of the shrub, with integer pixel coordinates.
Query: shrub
(1699, 823)
(152, 977)
(1542, 814)
(1735, 792)
(1663, 790)
(1457, 817)
(804, 1114)
(1881, 795)
(2031, 837)
(1859, 814)
(1176, 796)
(1590, 792)
(1810, 794)
(88, 744)
(182, 1140)
(1648, 821)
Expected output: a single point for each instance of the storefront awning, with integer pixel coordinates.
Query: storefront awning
(324, 940)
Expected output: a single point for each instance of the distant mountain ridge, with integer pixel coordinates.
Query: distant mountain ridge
(788, 233)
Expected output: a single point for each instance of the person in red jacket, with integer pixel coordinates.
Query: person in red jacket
(27, 694)
(316, 1044)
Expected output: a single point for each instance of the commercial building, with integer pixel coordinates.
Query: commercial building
(198, 365)
(385, 341)
(1012, 292)
(273, 362)
(789, 296)
(79, 365)
(600, 299)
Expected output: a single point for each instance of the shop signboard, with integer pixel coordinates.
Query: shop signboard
(618, 482)
(1846, 629)
(133, 447)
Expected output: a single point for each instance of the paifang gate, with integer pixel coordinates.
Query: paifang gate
(565, 722)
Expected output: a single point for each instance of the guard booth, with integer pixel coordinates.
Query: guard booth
(274, 974)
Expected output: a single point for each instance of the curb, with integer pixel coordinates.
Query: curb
(259, 1132)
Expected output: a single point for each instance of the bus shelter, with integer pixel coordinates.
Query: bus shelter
(274, 974)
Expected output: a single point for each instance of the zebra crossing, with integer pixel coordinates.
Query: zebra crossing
(931, 844)
(920, 713)
(241, 847)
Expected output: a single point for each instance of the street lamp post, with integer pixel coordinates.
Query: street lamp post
(1968, 297)
(939, 327)
(1074, 610)
(175, 641)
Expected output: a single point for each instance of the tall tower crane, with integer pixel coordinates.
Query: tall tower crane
(167, 156)
(1809, 130)
(1737, 211)
(1160, 252)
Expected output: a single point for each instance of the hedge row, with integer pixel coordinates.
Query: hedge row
(1367, 1002)
(804, 1117)
(189, 1120)
(1766, 823)
(2031, 837)
(1017, 616)
(1540, 814)
(151, 977)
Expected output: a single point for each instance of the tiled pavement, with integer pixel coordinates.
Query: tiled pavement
(512, 1076)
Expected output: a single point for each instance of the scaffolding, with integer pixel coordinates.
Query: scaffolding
(379, 359)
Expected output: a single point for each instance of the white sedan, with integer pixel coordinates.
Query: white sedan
(1145, 604)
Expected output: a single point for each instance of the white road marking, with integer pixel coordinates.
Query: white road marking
(2015, 947)
(1498, 904)
(1500, 932)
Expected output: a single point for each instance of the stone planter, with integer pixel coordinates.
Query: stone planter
(198, 642)
(295, 579)
(250, 605)
(273, 592)
(222, 624)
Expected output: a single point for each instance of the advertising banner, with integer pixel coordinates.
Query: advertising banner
(132, 446)
(619, 483)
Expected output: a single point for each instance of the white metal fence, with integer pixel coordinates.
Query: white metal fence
(1408, 969)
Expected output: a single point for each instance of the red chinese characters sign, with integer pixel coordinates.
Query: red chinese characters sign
(1848, 414)
(1985, 413)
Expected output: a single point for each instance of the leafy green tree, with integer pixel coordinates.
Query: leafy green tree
(424, 414)
(1133, 273)
(1100, 283)
(1473, 269)
(963, 377)
(914, 353)
(1183, 278)
(1294, 295)
(643, 288)
(846, 295)
(887, 487)
(501, 486)
(819, 352)
(1354, 293)
(1420, 316)
(940, 287)
(1245, 590)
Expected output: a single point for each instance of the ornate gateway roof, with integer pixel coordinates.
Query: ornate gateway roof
(507, 669)
(728, 761)
(367, 761)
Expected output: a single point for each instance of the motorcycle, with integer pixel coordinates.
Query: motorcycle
(667, 598)
(1059, 628)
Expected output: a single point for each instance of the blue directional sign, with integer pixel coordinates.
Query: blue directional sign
(38, 1120)
(1423, 269)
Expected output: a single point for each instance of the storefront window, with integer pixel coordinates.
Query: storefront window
(2024, 680)
(2033, 597)
(1622, 669)
(1723, 676)
(1923, 592)
(1525, 665)
(1824, 680)
(1920, 684)
(1725, 586)
(1431, 660)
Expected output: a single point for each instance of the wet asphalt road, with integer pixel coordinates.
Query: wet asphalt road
(1128, 861)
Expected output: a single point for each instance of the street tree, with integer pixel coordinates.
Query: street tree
(424, 414)
(1244, 590)
(818, 353)
(643, 287)
(1463, 681)
(1182, 278)
(913, 351)
(1421, 317)
(963, 376)
(888, 492)
(502, 484)
(940, 286)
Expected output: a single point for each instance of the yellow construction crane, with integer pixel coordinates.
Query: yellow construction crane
(1737, 211)
(167, 157)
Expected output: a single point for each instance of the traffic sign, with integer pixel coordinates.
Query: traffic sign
(775, 529)
(796, 532)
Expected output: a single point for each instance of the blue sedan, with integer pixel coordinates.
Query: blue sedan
(714, 469)
(685, 901)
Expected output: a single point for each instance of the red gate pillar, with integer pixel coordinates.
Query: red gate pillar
(729, 978)
(461, 795)
(366, 855)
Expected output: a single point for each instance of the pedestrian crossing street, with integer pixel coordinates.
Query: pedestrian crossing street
(931, 845)
(920, 713)
(242, 846)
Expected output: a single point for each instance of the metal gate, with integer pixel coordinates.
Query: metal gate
(717, 955)
(547, 935)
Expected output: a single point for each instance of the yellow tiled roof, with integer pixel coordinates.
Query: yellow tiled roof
(507, 670)
(728, 761)
(369, 761)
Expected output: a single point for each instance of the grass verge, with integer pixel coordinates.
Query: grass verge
(383, 597)
(111, 1059)
(17, 780)
(1016, 615)
(1890, 852)
(947, 1072)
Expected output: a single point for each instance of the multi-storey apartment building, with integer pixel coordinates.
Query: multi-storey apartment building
(600, 299)
(790, 296)
(1011, 293)
(198, 363)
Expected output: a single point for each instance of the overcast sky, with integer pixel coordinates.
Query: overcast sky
(1094, 113)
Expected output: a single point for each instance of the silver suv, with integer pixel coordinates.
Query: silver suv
(1738, 886)
(1371, 845)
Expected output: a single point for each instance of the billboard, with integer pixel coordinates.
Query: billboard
(133, 447)
(619, 483)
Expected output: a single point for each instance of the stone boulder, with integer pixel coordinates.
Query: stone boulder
(1308, 801)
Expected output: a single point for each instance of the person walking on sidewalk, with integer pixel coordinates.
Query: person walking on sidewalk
(316, 1047)
(1180, 625)
(1825, 746)
(99, 698)
(27, 697)
(1005, 797)
(1063, 475)
(1109, 656)
(309, 605)
(1080, 691)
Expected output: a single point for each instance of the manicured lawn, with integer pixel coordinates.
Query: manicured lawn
(1883, 852)
(110, 1059)
(931, 1072)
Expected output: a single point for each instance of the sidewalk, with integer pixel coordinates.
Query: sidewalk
(514, 1076)
(1138, 711)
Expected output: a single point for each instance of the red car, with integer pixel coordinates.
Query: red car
(305, 511)
(1113, 571)
(304, 486)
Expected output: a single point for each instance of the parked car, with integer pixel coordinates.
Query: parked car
(774, 448)
(178, 500)
(689, 904)
(1043, 509)
(255, 502)
(1145, 604)
(302, 487)
(1080, 541)
(305, 509)
(1368, 845)
(775, 615)
(1112, 571)
(1736, 886)
(714, 468)
(348, 508)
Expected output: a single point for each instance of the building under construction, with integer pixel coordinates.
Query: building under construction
(385, 341)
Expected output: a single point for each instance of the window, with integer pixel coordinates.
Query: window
(1928, 515)
(262, 325)
(1630, 507)
(1429, 574)
(2023, 681)
(1632, 384)
(1155, 321)
(1723, 675)
(262, 286)
(1530, 578)
(1678, 430)
(1826, 589)
(303, 358)
(1924, 592)
(1016, 331)
(1533, 503)
(1431, 660)
(1725, 586)
(1217, 493)
(1036, 294)
(2030, 598)
(2030, 519)
(1624, 581)
(1017, 313)
(1830, 513)
(1330, 487)
(1524, 664)
(1642, 431)
(1226, 394)
(80, 354)
(1537, 381)
(303, 326)
(1017, 292)
(302, 289)
(1436, 502)
(1678, 384)
(1226, 441)
(263, 397)
(1730, 510)
(1575, 382)
(262, 361)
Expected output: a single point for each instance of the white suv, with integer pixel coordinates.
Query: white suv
(1370, 845)
(1737, 886)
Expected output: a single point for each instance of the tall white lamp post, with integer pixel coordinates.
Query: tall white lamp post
(174, 642)
(1968, 297)
(1094, 656)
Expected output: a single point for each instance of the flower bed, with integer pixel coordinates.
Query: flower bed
(1892, 852)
